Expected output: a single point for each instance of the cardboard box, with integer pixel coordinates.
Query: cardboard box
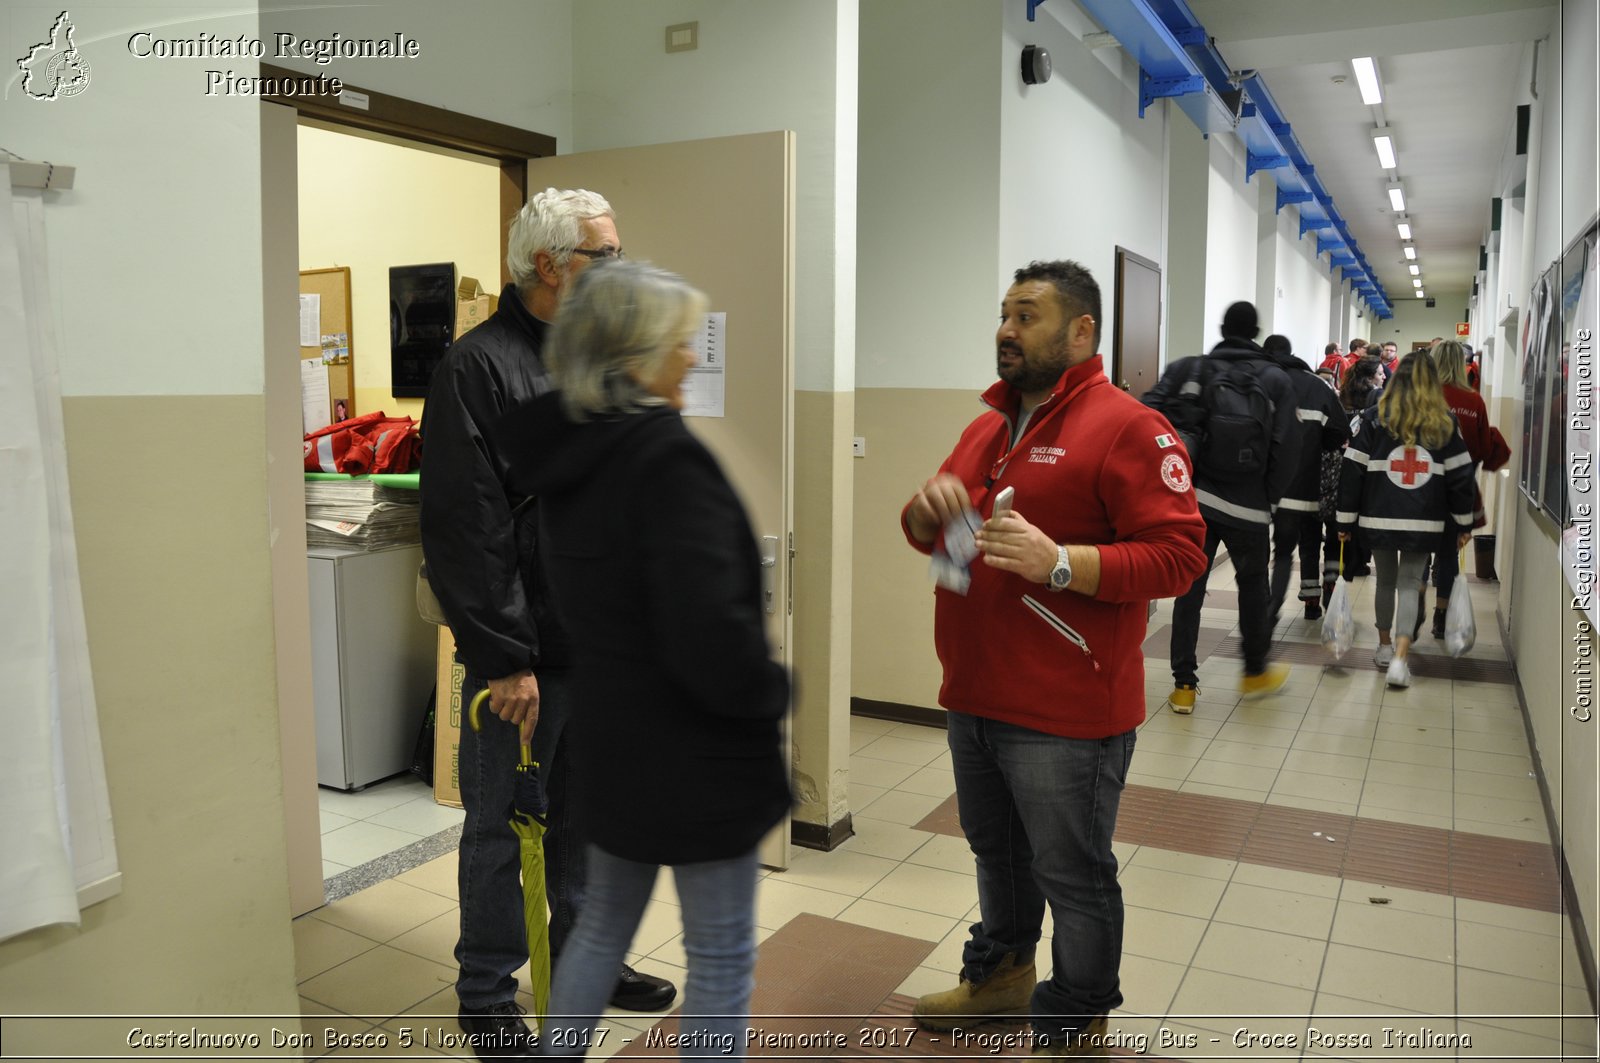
(447, 724)
(473, 306)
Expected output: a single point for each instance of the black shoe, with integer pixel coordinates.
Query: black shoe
(1313, 611)
(1438, 624)
(497, 1031)
(642, 992)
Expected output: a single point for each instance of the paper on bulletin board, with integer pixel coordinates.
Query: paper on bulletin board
(314, 400)
(704, 386)
(310, 320)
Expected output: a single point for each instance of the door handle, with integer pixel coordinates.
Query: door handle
(769, 572)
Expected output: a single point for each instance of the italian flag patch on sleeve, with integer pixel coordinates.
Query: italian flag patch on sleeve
(1166, 441)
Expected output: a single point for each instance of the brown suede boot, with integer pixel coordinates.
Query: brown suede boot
(1089, 1041)
(1005, 992)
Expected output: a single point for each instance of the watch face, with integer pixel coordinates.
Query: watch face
(1060, 576)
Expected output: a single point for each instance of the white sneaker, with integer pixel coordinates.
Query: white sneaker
(1384, 655)
(1399, 674)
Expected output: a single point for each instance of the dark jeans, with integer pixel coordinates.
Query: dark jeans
(1247, 548)
(1038, 811)
(1294, 531)
(493, 942)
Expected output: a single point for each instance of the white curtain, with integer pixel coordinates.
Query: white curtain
(56, 845)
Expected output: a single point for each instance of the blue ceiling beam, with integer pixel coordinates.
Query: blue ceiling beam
(1178, 60)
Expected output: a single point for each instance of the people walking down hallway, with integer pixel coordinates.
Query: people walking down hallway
(1406, 483)
(1296, 524)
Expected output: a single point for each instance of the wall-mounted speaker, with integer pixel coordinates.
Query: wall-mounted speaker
(1428, 302)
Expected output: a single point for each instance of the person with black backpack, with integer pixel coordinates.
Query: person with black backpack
(1235, 412)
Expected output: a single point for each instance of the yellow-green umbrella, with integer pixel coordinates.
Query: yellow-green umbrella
(530, 814)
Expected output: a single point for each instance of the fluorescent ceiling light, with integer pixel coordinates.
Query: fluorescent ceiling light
(1383, 140)
(1416, 282)
(1397, 197)
(1366, 69)
(1411, 252)
(1420, 294)
(1416, 270)
(1404, 229)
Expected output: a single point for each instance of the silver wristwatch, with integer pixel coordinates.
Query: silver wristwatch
(1061, 575)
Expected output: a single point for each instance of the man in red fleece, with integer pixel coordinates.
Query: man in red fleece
(1043, 673)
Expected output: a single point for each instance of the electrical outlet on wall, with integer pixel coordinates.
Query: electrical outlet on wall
(858, 446)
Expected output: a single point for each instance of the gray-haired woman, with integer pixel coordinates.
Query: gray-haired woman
(655, 567)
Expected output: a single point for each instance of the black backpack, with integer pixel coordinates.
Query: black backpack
(1233, 433)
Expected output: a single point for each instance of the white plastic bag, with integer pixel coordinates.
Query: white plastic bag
(1460, 629)
(1338, 621)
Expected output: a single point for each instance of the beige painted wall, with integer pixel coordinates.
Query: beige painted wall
(823, 517)
(180, 631)
(370, 203)
(909, 432)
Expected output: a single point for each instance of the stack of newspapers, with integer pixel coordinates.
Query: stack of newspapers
(359, 514)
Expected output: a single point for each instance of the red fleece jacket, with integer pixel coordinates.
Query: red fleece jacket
(1093, 467)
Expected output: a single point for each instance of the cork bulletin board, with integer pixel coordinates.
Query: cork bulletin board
(325, 320)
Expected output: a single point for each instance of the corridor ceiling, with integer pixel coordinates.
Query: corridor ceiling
(1449, 71)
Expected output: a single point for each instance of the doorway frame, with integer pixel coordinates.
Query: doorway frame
(403, 119)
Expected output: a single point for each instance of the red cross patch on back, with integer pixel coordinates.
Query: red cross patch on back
(1409, 467)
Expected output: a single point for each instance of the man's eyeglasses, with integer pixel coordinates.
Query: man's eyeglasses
(599, 253)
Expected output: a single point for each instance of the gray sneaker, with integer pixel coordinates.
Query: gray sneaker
(1384, 655)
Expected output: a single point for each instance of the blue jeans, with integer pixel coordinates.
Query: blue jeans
(1038, 811)
(718, 900)
(494, 939)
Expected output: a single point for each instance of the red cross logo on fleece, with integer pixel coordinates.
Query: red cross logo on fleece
(1407, 469)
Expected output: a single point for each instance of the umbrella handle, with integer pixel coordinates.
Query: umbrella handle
(472, 718)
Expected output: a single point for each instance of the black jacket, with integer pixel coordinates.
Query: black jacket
(1323, 426)
(1396, 497)
(674, 687)
(1247, 503)
(480, 537)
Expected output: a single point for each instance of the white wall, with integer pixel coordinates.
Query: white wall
(1080, 171)
(506, 60)
(1413, 322)
(1304, 289)
(1231, 205)
(929, 215)
(761, 65)
(173, 175)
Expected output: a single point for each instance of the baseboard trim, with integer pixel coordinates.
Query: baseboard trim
(821, 837)
(895, 711)
(1569, 891)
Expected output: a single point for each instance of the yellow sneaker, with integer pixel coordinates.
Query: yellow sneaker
(1089, 1041)
(1005, 992)
(1182, 698)
(1268, 682)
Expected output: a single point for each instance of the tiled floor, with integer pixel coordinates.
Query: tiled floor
(387, 816)
(1341, 856)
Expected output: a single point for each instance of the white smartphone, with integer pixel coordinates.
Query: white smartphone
(1002, 502)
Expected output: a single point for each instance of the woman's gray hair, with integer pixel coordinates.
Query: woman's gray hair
(618, 323)
(549, 223)
(1451, 359)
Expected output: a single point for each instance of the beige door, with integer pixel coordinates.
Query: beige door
(721, 213)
